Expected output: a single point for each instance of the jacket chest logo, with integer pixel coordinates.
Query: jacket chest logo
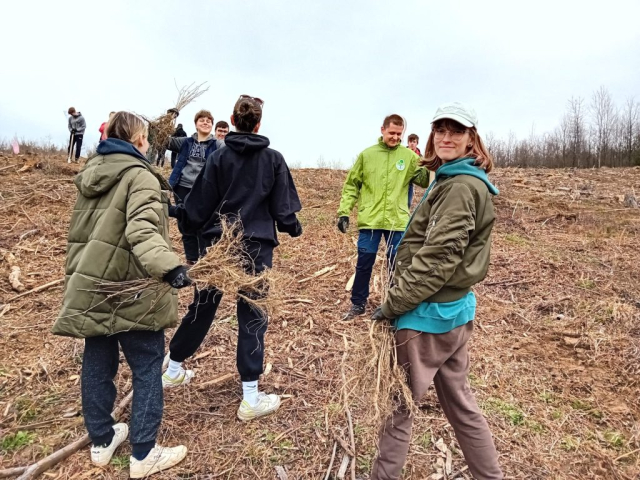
(400, 165)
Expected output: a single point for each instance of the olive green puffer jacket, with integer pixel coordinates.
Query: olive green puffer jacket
(119, 231)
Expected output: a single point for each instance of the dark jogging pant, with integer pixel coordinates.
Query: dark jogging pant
(77, 144)
(144, 351)
(252, 323)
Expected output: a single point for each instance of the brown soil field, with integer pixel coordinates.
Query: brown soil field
(555, 352)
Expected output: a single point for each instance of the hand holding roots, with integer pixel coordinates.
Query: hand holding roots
(163, 127)
(228, 268)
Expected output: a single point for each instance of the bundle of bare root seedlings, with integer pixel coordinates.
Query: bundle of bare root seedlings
(129, 290)
(377, 376)
(373, 382)
(227, 267)
(163, 127)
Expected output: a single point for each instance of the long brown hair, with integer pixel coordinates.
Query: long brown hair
(477, 149)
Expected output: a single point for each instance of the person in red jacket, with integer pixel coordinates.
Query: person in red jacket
(104, 126)
(413, 145)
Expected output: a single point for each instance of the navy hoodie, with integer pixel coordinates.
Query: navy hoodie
(246, 181)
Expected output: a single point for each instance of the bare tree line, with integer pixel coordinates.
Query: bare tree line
(590, 134)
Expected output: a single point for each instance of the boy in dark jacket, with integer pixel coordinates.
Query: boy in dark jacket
(192, 154)
(250, 183)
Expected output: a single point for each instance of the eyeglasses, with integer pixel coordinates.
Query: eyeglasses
(455, 135)
(259, 101)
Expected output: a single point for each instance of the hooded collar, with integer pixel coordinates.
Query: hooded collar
(115, 145)
(114, 158)
(246, 142)
(208, 139)
(465, 166)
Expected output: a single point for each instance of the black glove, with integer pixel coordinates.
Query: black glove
(343, 224)
(178, 277)
(173, 211)
(378, 315)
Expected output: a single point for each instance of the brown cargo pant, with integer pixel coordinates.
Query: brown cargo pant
(443, 359)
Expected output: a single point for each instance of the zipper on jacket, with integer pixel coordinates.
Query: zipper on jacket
(386, 191)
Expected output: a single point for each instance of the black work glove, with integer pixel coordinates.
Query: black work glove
(178, 277)
(343, 224)
(173, 211)
(298, 231)
(378, 315)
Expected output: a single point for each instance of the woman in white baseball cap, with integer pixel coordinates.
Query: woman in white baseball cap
(444, 252)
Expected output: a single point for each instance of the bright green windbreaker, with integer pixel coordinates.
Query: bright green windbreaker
(379, 183)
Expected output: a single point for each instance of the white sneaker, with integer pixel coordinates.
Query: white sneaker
(165, 362)
(266, 404)
(101, 456)
(159, 458)
(183, 378)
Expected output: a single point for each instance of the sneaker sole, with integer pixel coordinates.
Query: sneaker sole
(261, 414)
(186, 381)
(157, 468)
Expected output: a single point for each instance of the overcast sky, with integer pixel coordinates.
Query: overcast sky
(329, 71)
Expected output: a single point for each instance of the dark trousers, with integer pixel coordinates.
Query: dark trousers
(77, 143)
(252, 323)
(161, 157)
(144, 352)
(368, 243)
(174, 156)
(194, 245)
(444, 360)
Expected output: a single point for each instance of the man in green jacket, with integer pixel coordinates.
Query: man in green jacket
(379, 183)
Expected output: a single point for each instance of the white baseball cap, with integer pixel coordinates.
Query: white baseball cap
(459, 112)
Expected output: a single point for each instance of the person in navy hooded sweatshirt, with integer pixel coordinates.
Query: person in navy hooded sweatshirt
(250, 183)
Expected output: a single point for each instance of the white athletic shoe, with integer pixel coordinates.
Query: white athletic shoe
(159, 458)
(183, 378)
(266, 404)
(165, 362)
(101, 456)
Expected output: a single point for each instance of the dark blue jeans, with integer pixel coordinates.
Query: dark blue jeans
(368, 243)
(144, 351)
(194, 245)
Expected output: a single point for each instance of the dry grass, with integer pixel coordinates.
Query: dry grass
(555, 355)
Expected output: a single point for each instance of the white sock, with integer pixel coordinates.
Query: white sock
(174, 369)
(250, 392)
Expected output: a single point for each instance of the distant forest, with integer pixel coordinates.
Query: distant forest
(595, 133)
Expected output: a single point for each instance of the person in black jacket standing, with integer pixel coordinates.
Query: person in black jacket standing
(249, 183)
